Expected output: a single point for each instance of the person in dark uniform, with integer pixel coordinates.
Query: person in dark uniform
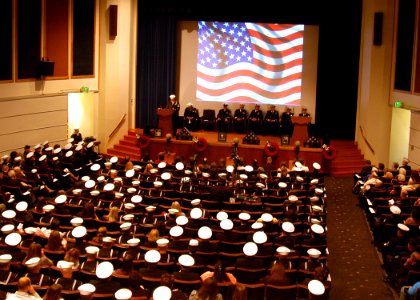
(90, 264)
(271, 121)
(223, 119)
(67, 281)
(34, 273)
(152, 257)
(191, 117)
(240, 118)
(286, 121)
(104, 284)
(6, 276)
(107, 251)
(186, 261)
(76, 136)
(255, 119)
(174, 105)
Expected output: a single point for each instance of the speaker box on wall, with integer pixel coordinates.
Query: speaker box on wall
(377, 28)
(45, 68)
(113, 21)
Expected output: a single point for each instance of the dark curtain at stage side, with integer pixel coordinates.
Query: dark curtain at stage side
(156, 65)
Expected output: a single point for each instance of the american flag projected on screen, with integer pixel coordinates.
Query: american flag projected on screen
(249, 62)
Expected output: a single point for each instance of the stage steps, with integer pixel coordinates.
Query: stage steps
(127, 146)
(349, 158)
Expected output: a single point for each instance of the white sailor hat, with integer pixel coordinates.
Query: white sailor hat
(243, 176)
(128, 217)
(55, 158)
(108, 239)
(205, 174)
(244, 216)
(263, 176)
(205, 232)
(104, 270)
(113, 159)
(21, 206)
(179, 166)
(63, 264)
(90, 184)
(196, 213)
(131, 190)
(298, 164)
(95, 167)
(313, 252)
(157, 184)
(315, 221)
(257, 225)
(136, 199)
(90, 145)
(49, 149)
(32, 262)
(173, 211)
(48, 207)
(162, 242)
(226, 224)
(282, 250)
(94, 193)
(230, 168)
(250, 249)
(68, 146)
(165, 176)
(123, 294)
(60, 199)
(181, 220)
(45, 143)
(193, 243)
(129, 173)
(57, 150)
(172, 96)
(137, 168)
(133, 242)
(161, 165)
(30, 230)
(299, 179)
(86, 289)
(5, 258)
(317, 228)
(267, 217)
(69, 153)
(77, 191)
(259, 237)
(260, 185)
(129, 205)
(293, 198)
(37, 146)
(316, 287)
(195, 202)
(78, 147)
(79, 231)
(108, 164)
(316, 208)
(125, 226)
(29, 155)
(249, 168)
(135, 182)
(76, 221)
(43, 157)
(222, 175)
(109, 187)
(150, 208)
(176, 231)
(8, 228)
(186, 260)
(162, 293)
(315, 181)
(314, 199)
(34, 171)
(13, 239)
(85, 178)
(316, 166)
(403, 227)
(154, 171)
(288, 227)
(319, 191)
(221, 215)
(395, 209)
(18, 158)
(152, 256)
(117, 179)
(92, 249)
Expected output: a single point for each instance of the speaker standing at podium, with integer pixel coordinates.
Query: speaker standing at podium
(174, 105)
(286, 122)
(304, 113)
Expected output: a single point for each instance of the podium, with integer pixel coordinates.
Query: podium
(300, 129)
(165, 120)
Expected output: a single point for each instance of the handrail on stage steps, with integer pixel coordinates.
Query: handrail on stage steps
(118, 125)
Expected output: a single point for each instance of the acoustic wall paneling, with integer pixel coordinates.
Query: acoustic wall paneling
(414, 149)
(32, 121)
(6, 54)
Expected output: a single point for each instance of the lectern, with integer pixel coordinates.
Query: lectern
(165, 120)
(300, 129)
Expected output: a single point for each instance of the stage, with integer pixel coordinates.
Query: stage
(223, 149)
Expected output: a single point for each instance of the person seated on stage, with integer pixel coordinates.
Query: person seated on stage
(240, 119)
(271, 121)
(174, 105)
(286, 124)
(191, 117)
(255, 119)
(224, 117)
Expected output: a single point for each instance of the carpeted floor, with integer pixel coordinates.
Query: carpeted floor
(353, 261)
